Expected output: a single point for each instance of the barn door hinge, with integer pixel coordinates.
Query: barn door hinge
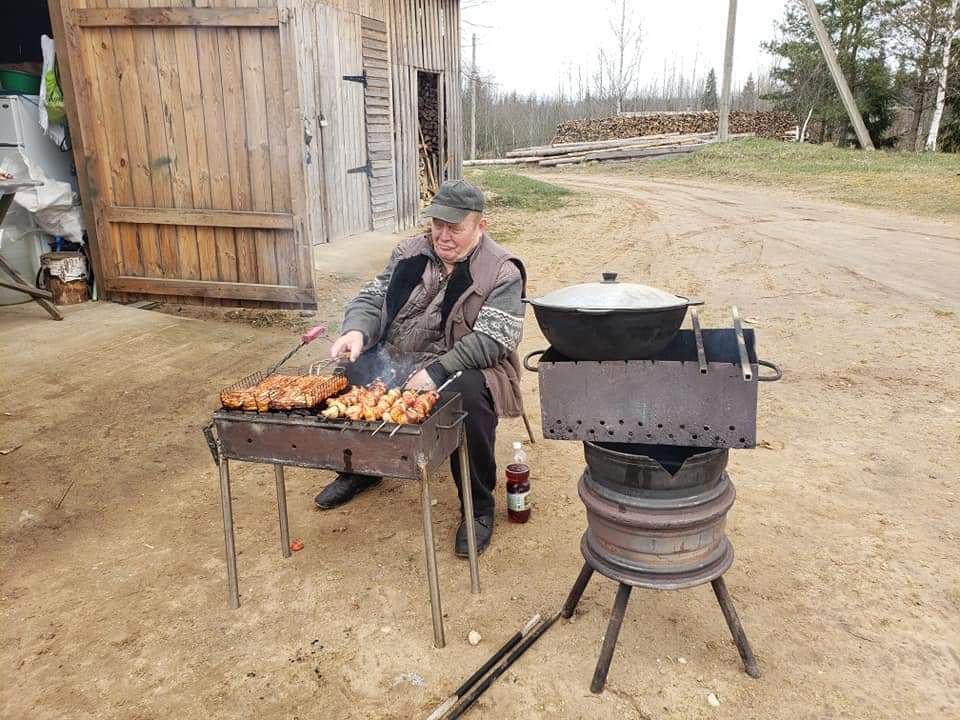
(365, 169)
(361, 78)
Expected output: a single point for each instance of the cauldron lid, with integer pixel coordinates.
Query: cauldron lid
(610, 295)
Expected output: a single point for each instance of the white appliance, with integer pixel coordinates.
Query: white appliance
(20, 127)
(22, 242)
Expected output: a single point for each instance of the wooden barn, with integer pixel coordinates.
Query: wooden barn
(221, 143)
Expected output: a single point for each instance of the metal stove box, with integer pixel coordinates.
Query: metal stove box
(693, 393)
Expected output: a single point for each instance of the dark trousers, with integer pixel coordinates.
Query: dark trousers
(481, 422)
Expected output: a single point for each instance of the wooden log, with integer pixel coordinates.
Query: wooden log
(501, 161)
(615, 154)
(698, 140)
(69, 293)
(564, 148)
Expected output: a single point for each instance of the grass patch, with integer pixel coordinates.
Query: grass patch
(925, 183)
(508, 190)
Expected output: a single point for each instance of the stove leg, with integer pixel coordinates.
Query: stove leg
(226, 503)
(577, 591)
(467, 492)
(432, 577)
(282, 510)
(610, 640)
(736, 629)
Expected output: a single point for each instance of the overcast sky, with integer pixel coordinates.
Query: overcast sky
(529, 44)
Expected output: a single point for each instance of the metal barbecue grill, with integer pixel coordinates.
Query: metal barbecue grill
(304, 438)
(657, 431)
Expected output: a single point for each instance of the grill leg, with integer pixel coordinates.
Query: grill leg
(610, 640)
(282, 510)
(467, 492)
(226, 503)
(432, 576)
(736, 629)
(577, 591)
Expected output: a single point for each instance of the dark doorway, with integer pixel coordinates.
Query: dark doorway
(430, 140)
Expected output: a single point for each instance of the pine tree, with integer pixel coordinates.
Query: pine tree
(710, 101)
(748, 95)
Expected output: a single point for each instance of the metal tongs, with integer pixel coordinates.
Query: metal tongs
(320, 331)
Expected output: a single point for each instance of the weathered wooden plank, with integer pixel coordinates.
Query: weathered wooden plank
(158, 156)
(188, 255)
(115, 156)
(169, 16)
(258, 147)
(204, 288)
(70, 63)
(200, 217)
(138, 155)
(188, 63)
(214, 123)
(235, 110)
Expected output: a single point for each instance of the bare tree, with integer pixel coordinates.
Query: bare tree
(621, 65)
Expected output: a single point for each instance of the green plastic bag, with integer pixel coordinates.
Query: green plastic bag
(55, 110)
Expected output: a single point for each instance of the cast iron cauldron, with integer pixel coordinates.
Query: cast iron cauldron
(610, 320)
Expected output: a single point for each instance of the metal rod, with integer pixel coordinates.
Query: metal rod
(282, 511)
(610, 639)
(742, 346)
(466, 489)
(526, 422)
(736, 629)
(576, 592)
(379, 428)
(233, 589)
(503, 667)
(449, 380)
(698, 336)
(395, 430)
(447, 704)
(433, 578)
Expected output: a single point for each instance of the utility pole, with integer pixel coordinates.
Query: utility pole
(724, 129)
(830, 55)
(473, 103)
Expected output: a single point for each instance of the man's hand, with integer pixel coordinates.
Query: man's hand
(351, 342)
(421, 381)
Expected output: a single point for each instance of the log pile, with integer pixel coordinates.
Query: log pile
(634, 148)
(630, 125)
(428, 140)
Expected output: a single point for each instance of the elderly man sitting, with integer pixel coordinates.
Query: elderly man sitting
(447, 301)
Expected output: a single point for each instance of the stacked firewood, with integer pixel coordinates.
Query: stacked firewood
(428, 140)
(634, 148)
(630, 125)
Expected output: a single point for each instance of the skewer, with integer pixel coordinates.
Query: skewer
(450, 379)
(394, 431)
(447, 704)
(379, 428)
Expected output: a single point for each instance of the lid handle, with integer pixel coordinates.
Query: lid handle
(609, 277)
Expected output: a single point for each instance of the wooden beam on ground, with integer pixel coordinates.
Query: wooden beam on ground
(201, 218)
(211, 289)
(27, 289)
(724, 124)
(182, 17)
(12, 272)
(565, 148)
(830, 55)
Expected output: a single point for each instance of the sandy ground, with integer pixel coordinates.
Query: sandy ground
(846, 527)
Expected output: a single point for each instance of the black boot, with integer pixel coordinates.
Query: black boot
(342, 490)
(483, 526)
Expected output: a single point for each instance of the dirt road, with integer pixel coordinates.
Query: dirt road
(846, 525)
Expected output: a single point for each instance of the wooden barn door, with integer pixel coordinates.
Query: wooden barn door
(188, 118)
(379, 123)
(343, 123)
